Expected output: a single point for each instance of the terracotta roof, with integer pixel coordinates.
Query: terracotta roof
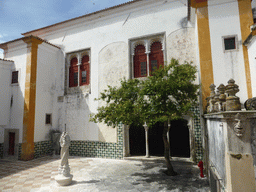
(249, 39)
(5, 60)
(2, 45)
(93, 13)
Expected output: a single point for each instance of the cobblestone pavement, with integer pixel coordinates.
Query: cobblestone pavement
(97, 175)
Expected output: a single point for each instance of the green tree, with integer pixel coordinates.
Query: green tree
(166, 95)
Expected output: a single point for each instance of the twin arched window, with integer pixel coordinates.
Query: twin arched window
(83, 70)
(140, 59)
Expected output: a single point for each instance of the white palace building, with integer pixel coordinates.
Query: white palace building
(50, 77)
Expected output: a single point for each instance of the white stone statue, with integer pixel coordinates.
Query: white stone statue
(64, 177)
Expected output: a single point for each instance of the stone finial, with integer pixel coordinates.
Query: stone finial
(212, 87)
(212, 98)
(222, 97)
(232, 101)
(232, 88)
(217, 105)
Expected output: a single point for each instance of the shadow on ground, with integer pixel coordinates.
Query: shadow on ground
(187, 179)
(15, 166)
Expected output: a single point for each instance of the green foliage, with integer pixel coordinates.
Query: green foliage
(166, 95)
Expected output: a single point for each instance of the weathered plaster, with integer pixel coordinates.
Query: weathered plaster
(181, 45)
(113, 60)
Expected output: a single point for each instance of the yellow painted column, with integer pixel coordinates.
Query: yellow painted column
(205, 53)
(27, 151)
(246, 20)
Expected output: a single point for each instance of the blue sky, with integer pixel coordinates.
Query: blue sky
(19, 16)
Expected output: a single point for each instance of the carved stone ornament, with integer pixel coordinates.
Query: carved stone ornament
(238, 128)
(250, 104)
(232, 101)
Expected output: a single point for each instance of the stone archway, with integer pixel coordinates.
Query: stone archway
(136, 140)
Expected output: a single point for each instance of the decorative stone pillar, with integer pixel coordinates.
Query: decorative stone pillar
(146, 136)
(79, 62)
(126, 143)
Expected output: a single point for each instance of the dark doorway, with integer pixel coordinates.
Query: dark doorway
(155, 139)
(179, 139)
(137, 140)
(11, 143)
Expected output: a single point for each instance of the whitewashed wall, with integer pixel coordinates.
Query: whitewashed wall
(17, 52)
(224, 21)
(5, 95)
(252, 61)
(49, 85)
(108, 39)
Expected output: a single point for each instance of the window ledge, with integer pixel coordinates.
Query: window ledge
(79, 89)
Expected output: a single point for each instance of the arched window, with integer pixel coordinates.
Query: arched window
(85, 71)
(73, 73)
(156, 58)
(140, 61)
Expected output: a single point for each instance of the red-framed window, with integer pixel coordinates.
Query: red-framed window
(140, 61)
(156, 58)
(73, 72)
(85, 71)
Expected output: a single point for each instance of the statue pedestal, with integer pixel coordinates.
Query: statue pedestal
(64, 180)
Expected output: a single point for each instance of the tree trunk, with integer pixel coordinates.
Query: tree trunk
(169, 170)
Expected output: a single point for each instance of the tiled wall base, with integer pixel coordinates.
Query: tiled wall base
(197, 133)
(43, 148)
(99, 149)
(85, 148)
(96, 149)
(1, 150)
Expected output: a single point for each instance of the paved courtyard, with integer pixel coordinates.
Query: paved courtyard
(96, 175)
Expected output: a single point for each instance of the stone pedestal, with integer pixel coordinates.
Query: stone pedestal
(64, 180)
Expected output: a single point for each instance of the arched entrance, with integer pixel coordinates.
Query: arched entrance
(179, 139)
(138, 142)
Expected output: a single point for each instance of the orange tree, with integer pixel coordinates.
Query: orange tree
(166, 95)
